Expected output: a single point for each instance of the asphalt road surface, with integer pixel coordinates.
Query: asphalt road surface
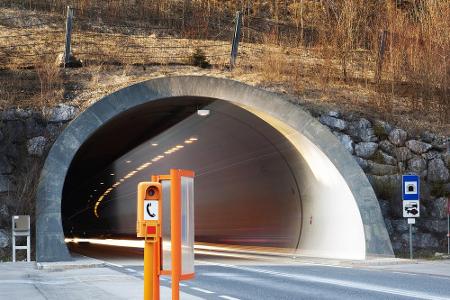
(238, 277)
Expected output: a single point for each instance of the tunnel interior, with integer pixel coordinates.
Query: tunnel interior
(248, 174)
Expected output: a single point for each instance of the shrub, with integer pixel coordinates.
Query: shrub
(199, 59)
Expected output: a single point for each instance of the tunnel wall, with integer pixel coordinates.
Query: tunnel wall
(50, 236)
(332, 225)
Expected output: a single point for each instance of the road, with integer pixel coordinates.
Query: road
(238, 277)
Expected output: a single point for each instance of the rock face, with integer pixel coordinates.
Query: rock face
(387, 147)
(362, 130)
(36, 146)
(5, 165)
(24, 137)
(4, 214)
(4, 238)
(417, 165)
(386, 158)
(62, 113)
(402, 154)
(425, 241)
(437, 171)
(385, 154)
(366, 149)
(418, 146)
(398, 137)
(6, 184)
(438, 208)
(333, 122)
(380, 169)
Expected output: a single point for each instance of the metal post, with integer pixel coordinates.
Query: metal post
(175, 232)
(69, 22)
(448, 225)
(13, 247)
(149, 253)
(410, 242)
(236, 38)
(28, 248)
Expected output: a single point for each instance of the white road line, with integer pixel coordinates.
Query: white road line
(405, 273)
(131, 270)
(183, 284)
(141, 273)
(114, 265)
(202, 290)
(228, 297)
(327, 265)
(337, 282)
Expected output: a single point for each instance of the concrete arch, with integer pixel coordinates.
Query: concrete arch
(332, 178)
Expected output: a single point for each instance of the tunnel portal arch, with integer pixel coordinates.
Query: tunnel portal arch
(332, 172)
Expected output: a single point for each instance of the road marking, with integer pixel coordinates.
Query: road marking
(228, 297)
(183, 284)
(114, 265)
(338, 282)
(324, 265)
(202, 290)
(131, 270)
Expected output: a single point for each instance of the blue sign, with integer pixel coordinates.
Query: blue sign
(410, 187)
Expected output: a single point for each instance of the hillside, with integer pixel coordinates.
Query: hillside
(319, 54)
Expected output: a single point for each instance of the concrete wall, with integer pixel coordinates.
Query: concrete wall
(332, 225)
(50, 239)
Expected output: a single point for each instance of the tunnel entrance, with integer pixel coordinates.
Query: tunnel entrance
(246, 181)
(255, 153)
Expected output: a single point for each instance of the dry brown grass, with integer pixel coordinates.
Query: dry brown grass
(50, 81)
(328, 48)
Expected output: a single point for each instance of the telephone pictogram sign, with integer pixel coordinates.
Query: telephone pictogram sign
(150, 210)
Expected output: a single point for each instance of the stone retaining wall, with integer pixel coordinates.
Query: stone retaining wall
(385, 153)
(382, 151)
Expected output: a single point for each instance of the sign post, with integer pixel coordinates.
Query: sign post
(448, 225)
(165, 213)
(411, 203)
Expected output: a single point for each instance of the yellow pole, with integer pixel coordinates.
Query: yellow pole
(149, 251)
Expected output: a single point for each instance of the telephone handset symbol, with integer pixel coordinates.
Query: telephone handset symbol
(148, 210)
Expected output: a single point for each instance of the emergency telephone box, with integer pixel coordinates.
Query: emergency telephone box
(165, 218)
(149, 210)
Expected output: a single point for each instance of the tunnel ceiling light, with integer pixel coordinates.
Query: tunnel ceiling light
(203, 112)
(132, 173)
